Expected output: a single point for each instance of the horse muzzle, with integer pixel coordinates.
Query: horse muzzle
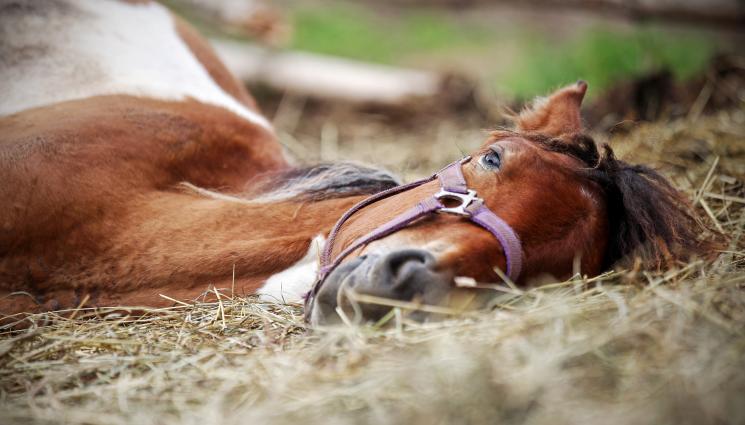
(360, 286)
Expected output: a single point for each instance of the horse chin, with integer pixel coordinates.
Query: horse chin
(365, 286)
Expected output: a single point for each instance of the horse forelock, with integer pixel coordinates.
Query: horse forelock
(579, 146)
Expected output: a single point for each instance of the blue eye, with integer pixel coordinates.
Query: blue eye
(491, 160)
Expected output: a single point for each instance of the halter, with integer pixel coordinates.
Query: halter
(453, 188)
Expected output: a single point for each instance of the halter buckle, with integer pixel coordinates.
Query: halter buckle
(465, 200)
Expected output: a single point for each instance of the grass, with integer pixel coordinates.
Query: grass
(538, 60)
(605, 57)
(520, 59)
(630, 346)
(354, 32)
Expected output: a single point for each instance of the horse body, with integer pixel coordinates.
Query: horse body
(92, 166)
(133, 164)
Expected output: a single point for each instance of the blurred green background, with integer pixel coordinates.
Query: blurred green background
(518, 54)
(517, 49)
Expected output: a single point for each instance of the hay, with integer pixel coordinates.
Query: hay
(627, 347)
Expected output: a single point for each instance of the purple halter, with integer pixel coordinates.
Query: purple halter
(453, 187)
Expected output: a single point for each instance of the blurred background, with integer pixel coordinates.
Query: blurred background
(412, 84)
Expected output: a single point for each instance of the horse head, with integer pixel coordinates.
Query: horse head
(568, 206)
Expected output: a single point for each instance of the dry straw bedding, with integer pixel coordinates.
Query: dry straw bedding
(626, 347)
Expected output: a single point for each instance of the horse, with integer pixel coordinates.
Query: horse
(134, 165)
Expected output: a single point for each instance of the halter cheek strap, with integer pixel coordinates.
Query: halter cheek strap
(453, 188)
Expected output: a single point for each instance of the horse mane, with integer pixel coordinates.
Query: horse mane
(647, 216)
(322, 181)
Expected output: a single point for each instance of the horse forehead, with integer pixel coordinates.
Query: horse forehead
(66, 50)
(523, 145)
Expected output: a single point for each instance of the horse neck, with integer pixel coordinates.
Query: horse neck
(300, 220)
(279, 233)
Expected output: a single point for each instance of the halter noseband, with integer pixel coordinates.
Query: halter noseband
(453, 187)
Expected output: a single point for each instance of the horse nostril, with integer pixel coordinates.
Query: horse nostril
(405, 275)
(399, 267)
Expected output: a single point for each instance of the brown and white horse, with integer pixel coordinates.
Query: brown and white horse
(133, 164)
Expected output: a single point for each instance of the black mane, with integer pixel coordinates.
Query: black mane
(647, 216)
(324, 181)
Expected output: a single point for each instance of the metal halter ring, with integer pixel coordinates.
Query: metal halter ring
(465, 200)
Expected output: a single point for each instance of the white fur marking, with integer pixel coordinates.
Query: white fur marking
(91, 48)
(289, 286)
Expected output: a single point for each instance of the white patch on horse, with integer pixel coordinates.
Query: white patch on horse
(289, 285)
(74, 49)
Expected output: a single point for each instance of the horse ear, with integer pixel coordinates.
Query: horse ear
(556, 115)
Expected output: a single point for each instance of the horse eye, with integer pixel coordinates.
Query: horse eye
(491, 160)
